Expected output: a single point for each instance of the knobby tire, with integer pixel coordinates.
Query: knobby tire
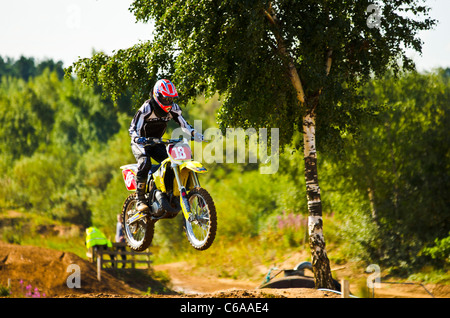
(202, 193)
(147, 223)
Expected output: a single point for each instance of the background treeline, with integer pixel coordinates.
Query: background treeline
(56, 139)
(26, 67)
(386, 194)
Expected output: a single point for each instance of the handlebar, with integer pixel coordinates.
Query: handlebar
(155, 141)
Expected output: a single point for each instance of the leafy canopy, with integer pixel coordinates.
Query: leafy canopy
(243, 51)
(396, 174)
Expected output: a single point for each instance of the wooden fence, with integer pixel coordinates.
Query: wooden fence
(117, 252)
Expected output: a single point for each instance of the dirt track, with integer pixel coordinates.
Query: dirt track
(47, 270)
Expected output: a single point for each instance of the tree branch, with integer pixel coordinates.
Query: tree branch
(293, 74)
(329, 61)
(269, 16)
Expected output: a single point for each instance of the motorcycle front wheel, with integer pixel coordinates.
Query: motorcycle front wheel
(201, 228)
(138, 234)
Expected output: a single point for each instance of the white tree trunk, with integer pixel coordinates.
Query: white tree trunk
(320, 262)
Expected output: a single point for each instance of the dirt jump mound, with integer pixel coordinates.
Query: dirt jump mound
(40, 272)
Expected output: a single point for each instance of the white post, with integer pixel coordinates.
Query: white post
(345, 288)
(99, 265)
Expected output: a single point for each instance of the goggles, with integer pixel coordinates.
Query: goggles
(166, 101)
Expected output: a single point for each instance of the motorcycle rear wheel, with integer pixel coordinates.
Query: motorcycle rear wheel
(139, 234)
(201, 231)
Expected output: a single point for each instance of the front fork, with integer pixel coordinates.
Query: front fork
(184, 202)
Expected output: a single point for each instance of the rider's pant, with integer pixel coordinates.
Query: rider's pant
(143, 157)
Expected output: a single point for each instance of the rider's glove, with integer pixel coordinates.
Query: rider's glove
(151, 141)
(198, 136)
(140, 140)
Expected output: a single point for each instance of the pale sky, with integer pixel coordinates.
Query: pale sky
(67, 29)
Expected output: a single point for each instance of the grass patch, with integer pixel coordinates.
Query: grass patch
(33, 229)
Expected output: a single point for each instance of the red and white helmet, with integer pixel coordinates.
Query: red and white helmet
(164, 92)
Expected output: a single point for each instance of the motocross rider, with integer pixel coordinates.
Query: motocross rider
(150, 121)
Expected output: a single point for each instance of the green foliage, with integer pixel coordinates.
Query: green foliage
(243, 51)
(385, 197)
(25, 68)
(441, 250)
(36, 175)
(5, 291)
(250, 53)
(394, 177)
(50, 129)
(19, 118)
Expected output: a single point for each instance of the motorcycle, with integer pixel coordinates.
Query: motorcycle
(172, 186)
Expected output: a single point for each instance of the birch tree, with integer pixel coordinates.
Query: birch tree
(294, 65)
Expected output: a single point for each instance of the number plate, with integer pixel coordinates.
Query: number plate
(180, 153)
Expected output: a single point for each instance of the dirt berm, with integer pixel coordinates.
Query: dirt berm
(48, 271)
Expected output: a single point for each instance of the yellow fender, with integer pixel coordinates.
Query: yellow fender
(194, 166)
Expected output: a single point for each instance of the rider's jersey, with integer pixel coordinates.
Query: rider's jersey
(147, 123)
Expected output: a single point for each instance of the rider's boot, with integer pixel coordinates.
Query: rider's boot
(141, 205)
